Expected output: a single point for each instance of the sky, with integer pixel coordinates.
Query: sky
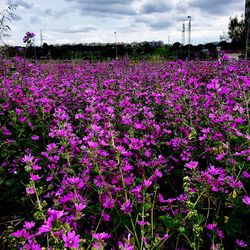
(86, 21)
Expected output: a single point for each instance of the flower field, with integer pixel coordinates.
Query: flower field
(123, 155)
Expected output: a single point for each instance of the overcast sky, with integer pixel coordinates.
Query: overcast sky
(82, 21)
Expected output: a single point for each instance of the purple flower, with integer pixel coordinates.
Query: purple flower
(71, 240)
(211, 226)
(147, 183)
(246, 200)
(35, 177)
(109, 203)
(79, 207)
(127, 207)
(142, 223)
(220, 233)
(191, 165)
(31, 245)
(241, 243)
(35, 137)
(55, 214)
(92, 144)
(30, 190)
(101, 236)
(21, 233)
(27, 158)
(29, 225)
(45, 228)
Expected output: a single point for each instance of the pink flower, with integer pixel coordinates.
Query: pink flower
(79, 207)
(220, 233)
(35, 137)
(127, 207)
(32, 246)
(241, 243)
(147, 183)
(30, 190)
(27, 158)
(92, 144)
(71, 240)
(246, 200)
(101, 236)
(211, 226)
(191, 165)
(35, 177)
(29, 225)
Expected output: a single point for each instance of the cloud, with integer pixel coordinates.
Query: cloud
(21, 3)
(35, 19)
(220, 7)
(55, 14)
(159, 6)
(17, 17)
(76, 29)
(155, 22)
(104, 7)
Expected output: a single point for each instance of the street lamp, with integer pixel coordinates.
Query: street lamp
(189, 35)
(116, 56)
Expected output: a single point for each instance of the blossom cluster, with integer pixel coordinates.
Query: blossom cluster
(28, 37)
(124, 155)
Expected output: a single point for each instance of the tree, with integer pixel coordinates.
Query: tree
(6, 16)
(236, 30)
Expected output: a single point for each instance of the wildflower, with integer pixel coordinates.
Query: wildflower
(241, 243)
(158, 173)
(55, 214)
(71, 240)
(29, 225)
(31, 245)
(211, 226)
(92, 144)
(35, 137)
(142, 223)
(79, 207)
(147, 183)
(109, 203)
(101, 236)
(191, 165)
(127, 207)
(34, 177)
(30, 190)
(220, 233)
(127, 245)
(246, 200)
(27, 158)
(105, 216)
(21, 233)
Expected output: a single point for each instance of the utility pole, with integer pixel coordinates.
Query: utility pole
(247, 37)
(183, 34)
(41, 38)
(116, 55)
(247, 18)
(189, 36)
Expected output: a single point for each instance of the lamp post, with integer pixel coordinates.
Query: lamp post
(116, 56)
(189, 35)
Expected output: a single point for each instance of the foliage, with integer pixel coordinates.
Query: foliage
(237, 30)
(124, 155)
(6, 16)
